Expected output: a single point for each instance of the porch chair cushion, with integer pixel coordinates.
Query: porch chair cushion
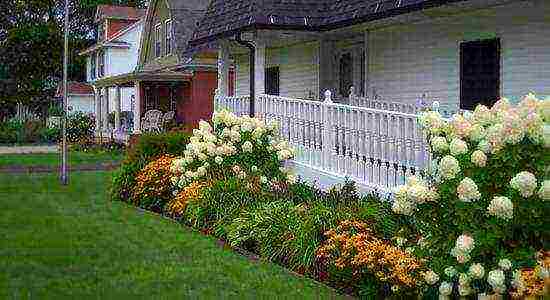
(152, 121)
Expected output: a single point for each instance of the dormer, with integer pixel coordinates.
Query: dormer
(112, 19)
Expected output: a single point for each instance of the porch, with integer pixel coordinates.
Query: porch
(167, 92)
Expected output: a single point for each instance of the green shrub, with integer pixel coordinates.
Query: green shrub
(147, 148)
(11, 131)
(50, 135)
(80, 127)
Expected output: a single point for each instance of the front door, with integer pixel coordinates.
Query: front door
(479, 73)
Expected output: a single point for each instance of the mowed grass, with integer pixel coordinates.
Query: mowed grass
(53, 159)
(71, 242)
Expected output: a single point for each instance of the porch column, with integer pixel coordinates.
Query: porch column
(260, 67)
(223, 70)
(105, 110)
(97, 95)
(137, 108)
(326, 69)
(117, 108)
(367, 52)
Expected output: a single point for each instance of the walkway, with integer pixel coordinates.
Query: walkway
(27, 149)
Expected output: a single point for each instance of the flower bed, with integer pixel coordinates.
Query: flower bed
(443, 236)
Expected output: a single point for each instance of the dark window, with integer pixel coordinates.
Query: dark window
(101, 31)
(361, 89)
(101, 64)
(272, 81)
(158, 39)
(346, 74)
(479, 73)
(168, 34)
(93, 66)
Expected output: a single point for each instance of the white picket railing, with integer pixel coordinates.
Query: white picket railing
(239, 105)
(376, 148)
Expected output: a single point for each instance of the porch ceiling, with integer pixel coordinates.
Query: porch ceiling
(129, 78)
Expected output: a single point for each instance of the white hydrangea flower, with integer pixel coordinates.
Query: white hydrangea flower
(477, 133)
(236, 169)
(450, 271)
(291, 178)
(464, 289)
(476, 271)
(463, 246)
(439, 144)
(458, 147)
(544, 191)
(495, 135)
(431, 277)
(432, 121)
(464, 279)
(403, 207)
(248, 147)
(461, 126)
(445, 289)
(479, 158)
(525, 183)
(467, 190)
(501, 207)
(482, 115)
(218, 160)
(241, 175)
(449, 167)
(204, 126)
(484, 146)
(513, 128)
(263, 179)
(505, 264)
(201, 171)
(495, 279)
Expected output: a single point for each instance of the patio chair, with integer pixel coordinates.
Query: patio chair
(152, 121)
(167, 118)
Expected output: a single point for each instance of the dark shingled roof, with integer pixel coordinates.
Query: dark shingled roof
(224, 18)
(185, 15)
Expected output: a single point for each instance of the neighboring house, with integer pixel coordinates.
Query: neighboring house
(166, 79)
(458, 52)
(115, 53)
(80, 97)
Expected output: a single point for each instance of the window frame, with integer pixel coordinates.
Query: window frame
(93, 66)
(158, 40)
(168, 37)
(101, 63)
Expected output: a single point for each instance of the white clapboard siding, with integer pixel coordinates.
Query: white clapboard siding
(406, 61)
(298, 70)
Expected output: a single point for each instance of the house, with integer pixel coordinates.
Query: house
(370, 63)
(165, 78)
(115, 53)
(458, 52)
(80, 97)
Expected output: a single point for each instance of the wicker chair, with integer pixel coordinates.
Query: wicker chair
(167, 118)
(152, 121)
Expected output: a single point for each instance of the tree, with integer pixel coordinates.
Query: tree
(31, 45)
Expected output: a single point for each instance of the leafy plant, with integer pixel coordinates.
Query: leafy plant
(487, 206)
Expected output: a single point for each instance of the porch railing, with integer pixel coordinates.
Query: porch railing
(376, 148)
(239, 105)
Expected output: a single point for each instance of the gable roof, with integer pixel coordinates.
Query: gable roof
(75, 88)
(224, 18)
(184, 14)
(118, 12)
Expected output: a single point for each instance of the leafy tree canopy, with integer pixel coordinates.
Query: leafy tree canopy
(31, 45)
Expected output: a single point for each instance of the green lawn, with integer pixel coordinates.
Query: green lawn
(52, 159)
(67, 242)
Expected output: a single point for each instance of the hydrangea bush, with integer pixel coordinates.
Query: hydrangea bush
(234, 146)
(483, 214)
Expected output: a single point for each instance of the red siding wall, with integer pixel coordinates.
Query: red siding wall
(201, 102)
(115, 26)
